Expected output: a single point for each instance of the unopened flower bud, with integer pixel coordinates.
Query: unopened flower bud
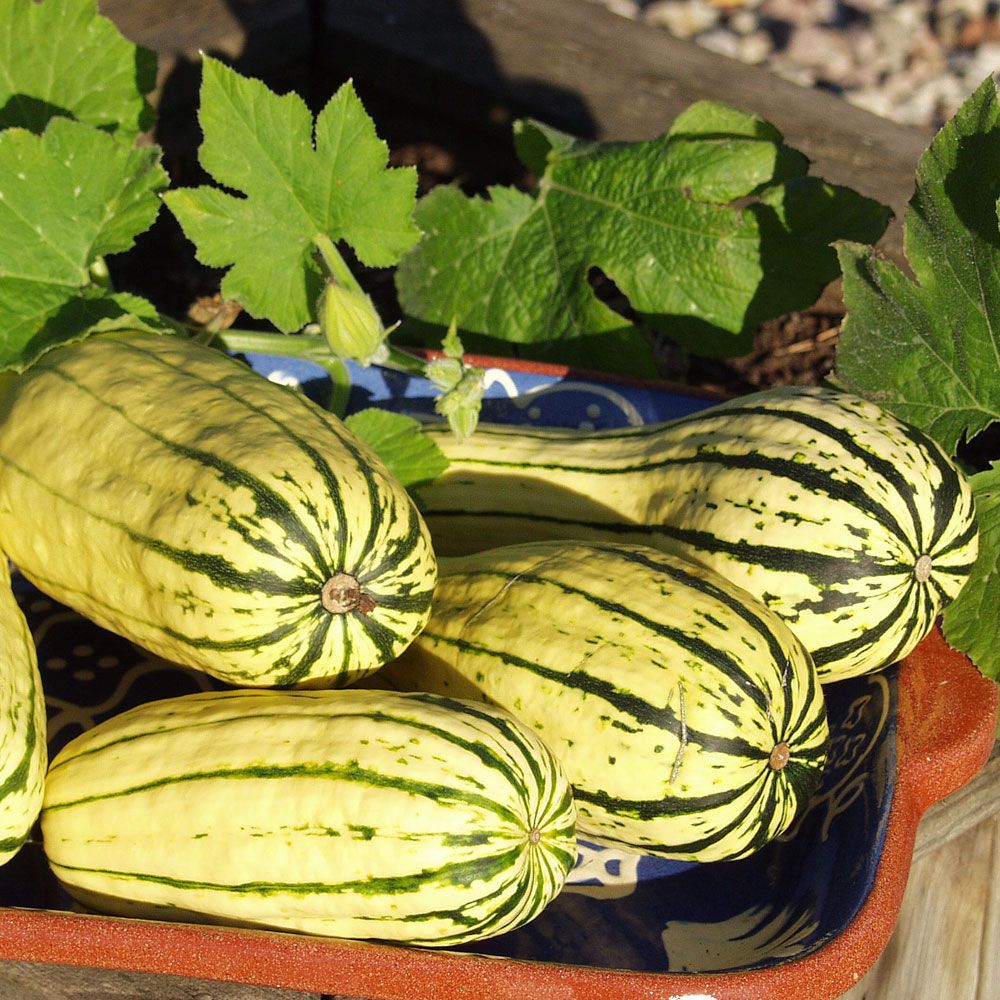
(351, 324)
(461, 401)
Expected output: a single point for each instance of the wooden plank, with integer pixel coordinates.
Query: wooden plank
(975, 802)
(265, 35)
(596, 74)
(945, 942)
(571, 62)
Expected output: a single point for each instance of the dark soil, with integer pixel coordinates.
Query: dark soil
(796, 349)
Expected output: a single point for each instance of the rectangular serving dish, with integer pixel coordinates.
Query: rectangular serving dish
(803, 919)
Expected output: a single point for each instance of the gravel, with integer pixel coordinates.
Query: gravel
(912, 61)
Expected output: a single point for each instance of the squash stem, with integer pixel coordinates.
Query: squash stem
(335, 263)
(309, 346)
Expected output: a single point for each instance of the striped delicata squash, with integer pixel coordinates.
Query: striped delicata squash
(169, 493)
(854, 527)
(688, 718)
(362, 814)
(23, 754)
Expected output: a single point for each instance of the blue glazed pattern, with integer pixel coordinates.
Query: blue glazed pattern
(619, 910)
(510, 397)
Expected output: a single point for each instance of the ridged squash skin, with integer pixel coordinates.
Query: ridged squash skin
(360, 814)
(23, 753)
(169, 493)
(854, 527)
(689, 720)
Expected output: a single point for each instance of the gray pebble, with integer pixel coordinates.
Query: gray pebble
(898, 58)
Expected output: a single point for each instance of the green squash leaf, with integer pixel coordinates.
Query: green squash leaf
(970, 621)
(67, 198)
(62, 58)
(93, 310)
(410, 455)
(299, 181)
(707, 231)
(929, 349)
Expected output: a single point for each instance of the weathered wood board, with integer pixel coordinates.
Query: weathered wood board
(30, 981)
(571, 62)
(594, 73)
(946, 940)
(263, 34)
(975, 803)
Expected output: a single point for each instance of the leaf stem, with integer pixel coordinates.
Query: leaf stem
(403, 361)
(309, 346)
(298, 345)
(335, 263)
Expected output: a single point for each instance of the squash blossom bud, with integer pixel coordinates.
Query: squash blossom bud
(463, 393)
(351, 324)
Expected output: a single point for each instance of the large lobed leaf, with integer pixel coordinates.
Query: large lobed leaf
(928, 348)
(62, 58)
(298, 181)
(67, 198)
(707, 230)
